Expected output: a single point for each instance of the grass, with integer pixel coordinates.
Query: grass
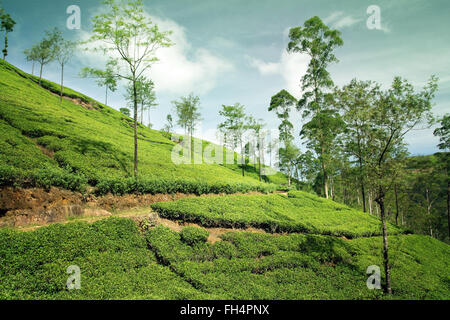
(92, 144)
(117, 261)
(298, 212)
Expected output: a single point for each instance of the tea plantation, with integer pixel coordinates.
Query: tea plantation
(312, 248)
(85, 143)
(117, 261)
(298, 212)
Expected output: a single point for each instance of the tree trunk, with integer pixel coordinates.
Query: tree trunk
(325, 180)
(387, 270)
(429, 206)
(62, 84)
(40, 74)
(259, 168)
(289, 175)
(135, 130)
(448, 206)
(242, 161)
(106, 96)
(149, 119)
(32, 69)
(363, 191)
(5, 51)
(396, 204)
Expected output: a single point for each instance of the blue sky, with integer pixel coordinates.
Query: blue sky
(234, 51)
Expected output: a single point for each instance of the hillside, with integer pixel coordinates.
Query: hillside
(117, 260)
(265, 246)
(83, 142)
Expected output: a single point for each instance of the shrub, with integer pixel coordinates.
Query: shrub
(193, 235)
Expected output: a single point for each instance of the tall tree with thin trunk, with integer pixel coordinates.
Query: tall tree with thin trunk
(318, 42)
(234, 127)
(32, 56)
(257, 127)
(45, 50)
(6, 25)
(398, 111)
(353, 101)
(131, 39)
(282, 103)
(443, 132)
(187, 109)
(64, 51)
(104, 78)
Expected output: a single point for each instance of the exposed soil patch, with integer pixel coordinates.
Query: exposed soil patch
(77, 101)
(23, 207)
(215, 234)
(47, 152)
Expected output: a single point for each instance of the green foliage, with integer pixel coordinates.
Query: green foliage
(193, 235)
(154, 186)
(88, 139)
(117, 262)
(443, 132)
(318, 41)
(6, 25)
(113, 257)
(42, 178)
(300, 212)
(298, 266)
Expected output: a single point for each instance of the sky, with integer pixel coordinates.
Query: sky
(235, 51)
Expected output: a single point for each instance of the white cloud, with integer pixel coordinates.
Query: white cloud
(338, 20)
(291, 66)
(181, 68)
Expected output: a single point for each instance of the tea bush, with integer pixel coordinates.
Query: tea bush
(194, 235)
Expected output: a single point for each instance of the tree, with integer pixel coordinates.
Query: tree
(125, 30)
(318, 41)
(234, 127)
(443, 133)
(45, 50)
(168, 127)
(7, 25)
(354, 100)
(398, 111)
(257, 126)
(32, 56)
(105, 78)
(125, 111)
(64, 50)
(146, 97)
(289, 155)
(187, 109)
(282, 104)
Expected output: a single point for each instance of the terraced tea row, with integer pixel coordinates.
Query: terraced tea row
(298, 212)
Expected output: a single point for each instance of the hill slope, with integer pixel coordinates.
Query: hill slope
(83, 141)
(117, 261)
